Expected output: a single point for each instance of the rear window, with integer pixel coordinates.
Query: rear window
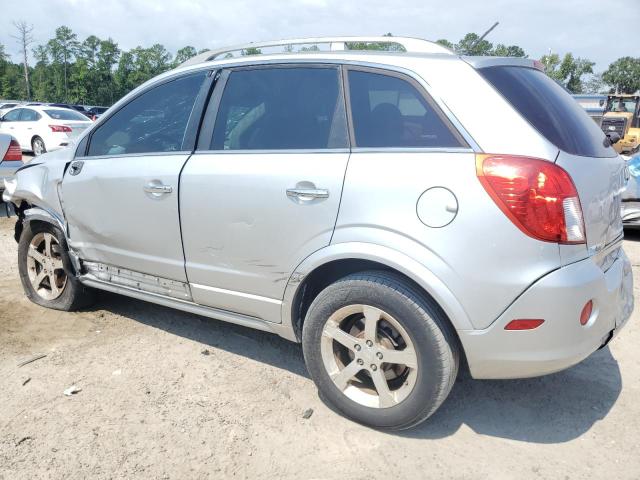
(65, 115)
(550, 109)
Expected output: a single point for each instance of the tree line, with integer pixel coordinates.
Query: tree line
(96, 71)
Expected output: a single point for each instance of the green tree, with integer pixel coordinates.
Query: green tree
(568, 71)
(508, 51)
(184, 54)
(623, 75)
(62, 49)
(251, 51)
(42, 81)
(445, 43)
(469, 45)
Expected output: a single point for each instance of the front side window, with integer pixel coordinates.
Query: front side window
(389, 111)
(281, 108)
(13, 115)
(153, 122)
(29, 115)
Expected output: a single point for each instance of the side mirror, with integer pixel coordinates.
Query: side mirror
(613, 137)
(602, 102)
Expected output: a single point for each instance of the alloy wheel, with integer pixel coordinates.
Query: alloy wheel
(369, 356)
(44, 266)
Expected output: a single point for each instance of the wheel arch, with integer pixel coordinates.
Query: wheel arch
(336, 261)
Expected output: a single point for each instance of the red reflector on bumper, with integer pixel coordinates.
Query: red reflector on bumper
(585, 315)
(524, 324)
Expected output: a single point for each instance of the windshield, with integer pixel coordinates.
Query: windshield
(621, 104)
(65, 115)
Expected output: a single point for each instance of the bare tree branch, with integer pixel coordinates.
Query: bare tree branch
(24, 39)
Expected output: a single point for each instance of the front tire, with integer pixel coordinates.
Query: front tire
(45, 269)
(380, 352)
(37, 146)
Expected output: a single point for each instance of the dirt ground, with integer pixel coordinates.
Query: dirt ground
(166, 394)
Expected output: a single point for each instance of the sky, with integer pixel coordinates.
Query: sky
(599, 30)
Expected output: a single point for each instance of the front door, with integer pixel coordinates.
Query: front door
(262, 192)
(120, 197)
(12, 125)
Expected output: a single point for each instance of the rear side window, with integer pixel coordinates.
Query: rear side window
(154, 122)
(550, 109)
(29, 115)
(66, 115)
(280, 109)
(390, 112)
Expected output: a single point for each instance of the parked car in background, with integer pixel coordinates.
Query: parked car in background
(96, 112)
(10, 161)
(631, 195)
(399, 214)
(39, 129)
(5, 107)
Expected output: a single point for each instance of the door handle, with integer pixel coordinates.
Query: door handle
(307, 193)
(158, 189)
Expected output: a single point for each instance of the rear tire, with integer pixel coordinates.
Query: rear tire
(46, 272)
(37, 146)
(392, 375)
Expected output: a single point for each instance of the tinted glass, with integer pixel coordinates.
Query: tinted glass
(13, 115)
(29, 115)
(65, 115)
(550, 109)
(153, 122)
(390, 112)
(281, 108)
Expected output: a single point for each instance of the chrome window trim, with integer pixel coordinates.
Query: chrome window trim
(275, 151)
(133, 155)
(412, 150)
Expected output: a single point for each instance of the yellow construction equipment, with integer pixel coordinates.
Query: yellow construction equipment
(622, 116)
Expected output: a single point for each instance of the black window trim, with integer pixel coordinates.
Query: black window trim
(194, 122)
(212, 110)
(464, 146)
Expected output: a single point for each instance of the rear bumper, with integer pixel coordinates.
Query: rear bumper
(560, 341)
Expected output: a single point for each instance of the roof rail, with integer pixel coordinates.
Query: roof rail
(416, 45)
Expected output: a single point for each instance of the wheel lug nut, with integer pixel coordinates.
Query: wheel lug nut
(357, 347)
(379, 355)
(369, 343)
(360, 361)
(374, 367)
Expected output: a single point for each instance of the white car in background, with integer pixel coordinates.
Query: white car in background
(6, 106)
(41, 128)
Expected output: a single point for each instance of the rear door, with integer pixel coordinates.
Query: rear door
(29, 120)
(585, 153)
(262, 191)
(120, 196)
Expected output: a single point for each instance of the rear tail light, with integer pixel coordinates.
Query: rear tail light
(14, 153)
(60, 128)
(538, 196)
(524, 324)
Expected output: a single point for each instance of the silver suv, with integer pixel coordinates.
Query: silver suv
(396, 212)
